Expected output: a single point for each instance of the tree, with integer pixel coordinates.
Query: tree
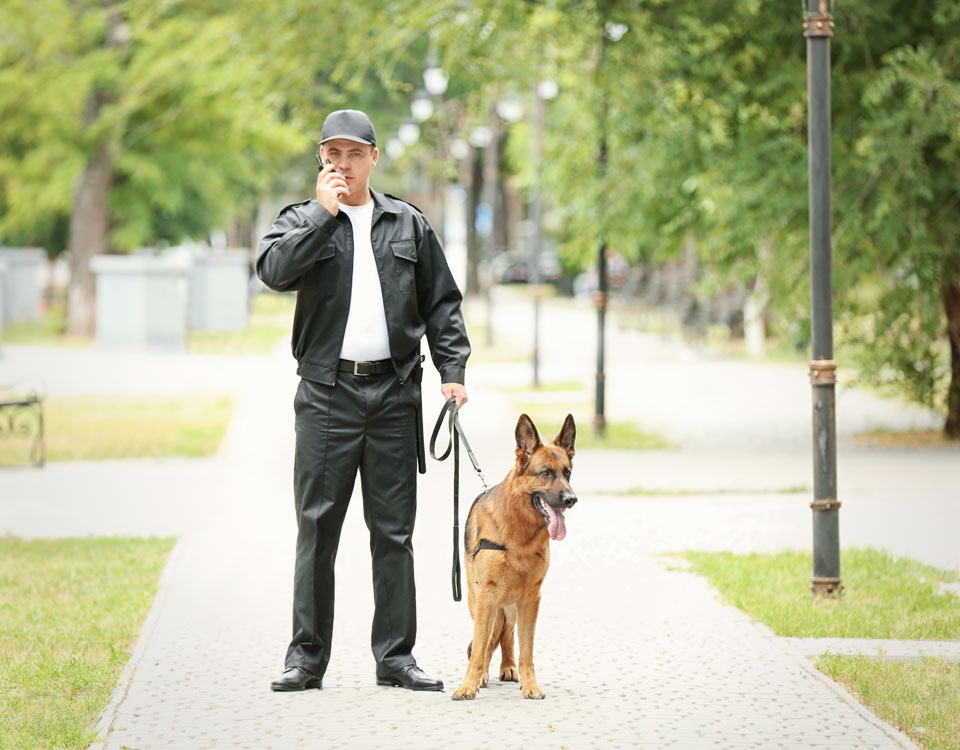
(157, 123)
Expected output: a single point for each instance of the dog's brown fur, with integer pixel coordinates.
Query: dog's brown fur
(503, 587)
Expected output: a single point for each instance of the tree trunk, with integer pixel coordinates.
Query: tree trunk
(89, 226)
(90, 218)
(951, 305)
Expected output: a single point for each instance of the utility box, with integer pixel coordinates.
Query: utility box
(141, 301)
(21, 283)
(219, 291)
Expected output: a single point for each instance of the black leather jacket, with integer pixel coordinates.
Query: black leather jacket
(310, 250)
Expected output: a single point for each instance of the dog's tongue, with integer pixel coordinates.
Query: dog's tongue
(557, 528)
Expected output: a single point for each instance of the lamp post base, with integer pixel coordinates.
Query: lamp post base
(826, 587)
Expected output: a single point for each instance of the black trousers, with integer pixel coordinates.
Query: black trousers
(365, 424)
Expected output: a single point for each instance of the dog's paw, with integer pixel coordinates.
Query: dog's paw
(533, 692)
(464, 693)
(485, 680)
(509, 674)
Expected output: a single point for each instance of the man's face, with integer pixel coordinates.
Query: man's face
(353, 160)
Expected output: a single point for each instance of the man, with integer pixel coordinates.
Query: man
(371, 279)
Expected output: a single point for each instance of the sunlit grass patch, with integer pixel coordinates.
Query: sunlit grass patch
(559, 386)
(656, 492)
(922, 698)
(70, 610)
(617, 436)
(500, 352)
(884, 596)
(49, 330)
(80, 428)
(883, 438)
(270, 321)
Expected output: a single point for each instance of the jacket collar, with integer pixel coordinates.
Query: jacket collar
(385, 203)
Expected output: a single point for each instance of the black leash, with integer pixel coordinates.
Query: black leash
(456, 435)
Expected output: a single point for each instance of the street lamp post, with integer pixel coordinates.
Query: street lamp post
(545, 91)
(611, 32)
(818, 28)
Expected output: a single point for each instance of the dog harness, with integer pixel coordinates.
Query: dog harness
(487, 544)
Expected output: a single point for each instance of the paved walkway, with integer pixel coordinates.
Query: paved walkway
(629, 652)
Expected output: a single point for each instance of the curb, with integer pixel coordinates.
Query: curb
(104, 726)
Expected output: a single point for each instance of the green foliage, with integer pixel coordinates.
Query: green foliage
(184, 107)
(703, 107)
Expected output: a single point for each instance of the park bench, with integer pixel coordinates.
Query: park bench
(21, 415)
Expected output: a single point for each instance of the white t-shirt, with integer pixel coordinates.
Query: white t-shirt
(365, 338)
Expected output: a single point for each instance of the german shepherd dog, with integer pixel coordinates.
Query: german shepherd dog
(507, 553)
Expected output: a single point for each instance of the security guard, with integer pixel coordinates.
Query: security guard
(371, 279)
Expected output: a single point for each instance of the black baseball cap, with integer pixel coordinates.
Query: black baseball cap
(351, 124)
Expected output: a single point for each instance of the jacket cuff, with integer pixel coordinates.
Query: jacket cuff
(318, 215)
(453, 374)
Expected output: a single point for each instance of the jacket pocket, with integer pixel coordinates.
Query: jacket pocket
(405, 261)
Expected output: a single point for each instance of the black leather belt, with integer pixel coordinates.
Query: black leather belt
(379, 367)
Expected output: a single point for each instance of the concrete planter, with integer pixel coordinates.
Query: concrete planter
(219, 291)
(3, 273)
(141, 301)
(21, 285)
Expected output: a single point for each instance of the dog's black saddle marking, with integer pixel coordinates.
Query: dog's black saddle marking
(487, 544)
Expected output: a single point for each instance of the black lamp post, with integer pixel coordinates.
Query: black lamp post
(818, 28)
(545, 91)
(611, 32)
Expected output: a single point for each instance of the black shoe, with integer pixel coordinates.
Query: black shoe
(296, 678)
(410, 677)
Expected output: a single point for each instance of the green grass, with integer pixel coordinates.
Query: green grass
(921, 698)
(270, 321)
(618, 436)
(884, 596)
(561, 386)
(885, 438)
(501, 351)
(50, 330)
(69, 613)
(82, 428)
(646, 492)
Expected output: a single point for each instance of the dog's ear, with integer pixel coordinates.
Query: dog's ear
(528, 439)
(567, 436)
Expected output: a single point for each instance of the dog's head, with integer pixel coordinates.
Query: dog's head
(543, 472)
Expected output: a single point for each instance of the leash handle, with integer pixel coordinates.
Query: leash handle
(454, 429)
(455, 432)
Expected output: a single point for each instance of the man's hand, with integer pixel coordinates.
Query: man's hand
(456, 390)
(330, 186)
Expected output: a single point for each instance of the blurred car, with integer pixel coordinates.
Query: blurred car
(518, 272)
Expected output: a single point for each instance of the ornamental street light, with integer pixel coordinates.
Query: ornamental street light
(422, 106)
(818, 28)
(435, 80)
(408, 133)
(395, 148)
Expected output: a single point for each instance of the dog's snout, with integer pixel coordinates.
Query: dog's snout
(568, 499)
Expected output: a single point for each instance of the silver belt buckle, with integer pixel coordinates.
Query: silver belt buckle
(360, 374)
